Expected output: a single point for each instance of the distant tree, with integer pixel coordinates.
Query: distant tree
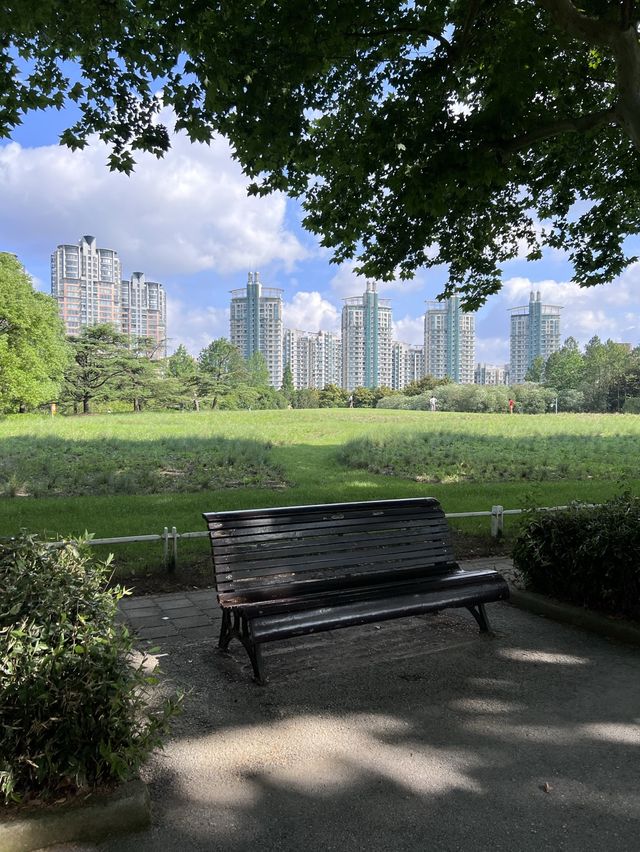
(331, 396)
(531, 398)
(605, 374)
(570, 400)
(257, 370)
(221, 369)
(365, 398)
(182, 381)
(181, 364)
(535, 373)
(564, 369)
(142, 381)
(419, 386)
(288, 388)
(33, 349)
(101, 355)
(307, 398)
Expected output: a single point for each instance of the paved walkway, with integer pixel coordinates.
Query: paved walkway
(193, 615)
(410, 735)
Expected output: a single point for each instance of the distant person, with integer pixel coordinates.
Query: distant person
(511, 406)
(351, 401)
(432, 403)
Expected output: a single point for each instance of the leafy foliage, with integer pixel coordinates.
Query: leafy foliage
(589, 556)
(603, 376)
(33, 352)
(74, 709)
(529, 398)
(331, 396)
(418, 135)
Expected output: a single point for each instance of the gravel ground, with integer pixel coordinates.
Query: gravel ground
(406, 735)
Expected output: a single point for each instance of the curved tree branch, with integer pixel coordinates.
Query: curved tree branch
(570, 124)
(621, 40)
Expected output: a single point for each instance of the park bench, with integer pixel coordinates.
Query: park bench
(296, 570)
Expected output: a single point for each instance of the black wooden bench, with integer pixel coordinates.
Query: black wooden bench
(302, 569)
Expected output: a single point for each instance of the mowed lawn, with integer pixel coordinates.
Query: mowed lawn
(116, 475)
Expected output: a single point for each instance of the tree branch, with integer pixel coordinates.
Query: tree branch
(621, 39)
(594, 31)
(471, 14)
(555, 128)
(627, 13)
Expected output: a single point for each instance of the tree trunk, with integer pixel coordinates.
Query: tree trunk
(86, 405)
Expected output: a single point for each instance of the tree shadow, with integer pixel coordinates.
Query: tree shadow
(407, 735)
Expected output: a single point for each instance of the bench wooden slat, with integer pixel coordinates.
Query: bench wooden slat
(303, 528)
(369, 508)
(335, 552)
(336, 576)
(291, 595)
(227, 553)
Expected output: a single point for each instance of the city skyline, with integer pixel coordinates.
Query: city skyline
(186, 221)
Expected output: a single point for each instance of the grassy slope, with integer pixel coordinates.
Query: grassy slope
(305, 444)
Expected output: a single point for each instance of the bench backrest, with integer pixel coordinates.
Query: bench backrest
(273, 554)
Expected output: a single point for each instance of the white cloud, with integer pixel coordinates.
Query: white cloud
(310, 312)
(409, 330)
(194, 327)
(346, 283)
(492, 350)
(180, 215)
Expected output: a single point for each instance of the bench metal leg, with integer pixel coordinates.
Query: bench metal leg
(480, 614)
(235, 626)
(226, 630)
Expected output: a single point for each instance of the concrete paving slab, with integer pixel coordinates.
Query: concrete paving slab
(407, 735)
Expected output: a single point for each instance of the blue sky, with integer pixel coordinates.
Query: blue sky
(187, 222)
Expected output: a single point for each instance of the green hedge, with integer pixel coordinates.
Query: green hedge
(589, 556)
(74, 710)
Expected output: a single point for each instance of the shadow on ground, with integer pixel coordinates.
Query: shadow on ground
(407, 735)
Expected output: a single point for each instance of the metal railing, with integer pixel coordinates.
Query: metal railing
(170, 538)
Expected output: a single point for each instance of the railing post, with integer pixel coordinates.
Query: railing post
(497, 521)
(165, 547)
(174, 553)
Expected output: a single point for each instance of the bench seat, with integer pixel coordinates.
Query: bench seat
(277, 622)
(296, 570)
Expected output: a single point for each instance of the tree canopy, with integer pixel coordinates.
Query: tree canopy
(456, 132)
(33, 352)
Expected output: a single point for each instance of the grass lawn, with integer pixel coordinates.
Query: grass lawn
(128, 474)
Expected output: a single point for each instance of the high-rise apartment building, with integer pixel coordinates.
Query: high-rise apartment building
(407, 364)
(87, 283)
(328, 360)
(143, 309)
(256, 324)
(535, 332)
(314, 358)
(489, 374)
(85, 280)
(366, 341)
(449, 341)
(298, 353)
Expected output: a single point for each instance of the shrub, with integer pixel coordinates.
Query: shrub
(74, 708)
(589, 556)
(632, 405)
